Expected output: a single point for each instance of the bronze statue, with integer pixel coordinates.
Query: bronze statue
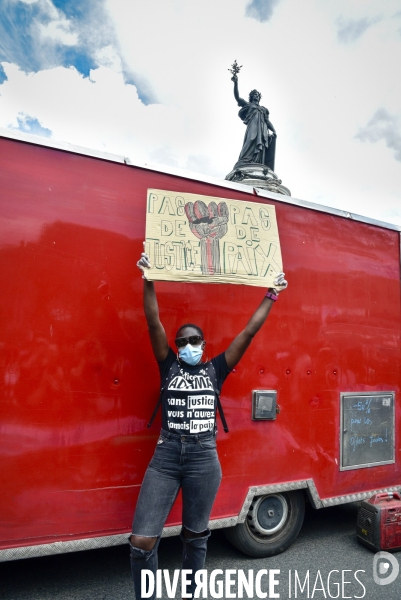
(259, 144)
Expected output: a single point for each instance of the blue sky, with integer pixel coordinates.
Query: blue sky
(150, 80)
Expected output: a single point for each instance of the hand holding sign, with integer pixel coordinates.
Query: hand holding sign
(280, 283)
(144, 262)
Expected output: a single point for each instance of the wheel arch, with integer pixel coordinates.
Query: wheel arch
(307, 485)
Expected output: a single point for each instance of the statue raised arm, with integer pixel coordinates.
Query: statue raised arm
(240, 101)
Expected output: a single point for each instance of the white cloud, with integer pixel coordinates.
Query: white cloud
(261, 10)
(383, 126)
(100, 112)
(107, 56)
(349, 30)
(59, 31)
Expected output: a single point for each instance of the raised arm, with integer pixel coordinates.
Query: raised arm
(240, 100)
(238, 346)
(157, 333)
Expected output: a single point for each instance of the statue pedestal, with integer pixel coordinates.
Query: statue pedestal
(258, 176)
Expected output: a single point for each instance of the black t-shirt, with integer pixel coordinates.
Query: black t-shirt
(188, 398)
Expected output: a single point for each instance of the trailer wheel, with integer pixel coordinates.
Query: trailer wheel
(271, 526)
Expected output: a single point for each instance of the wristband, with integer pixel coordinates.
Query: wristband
(271, 296)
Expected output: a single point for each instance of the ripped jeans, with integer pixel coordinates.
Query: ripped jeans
(189, 462)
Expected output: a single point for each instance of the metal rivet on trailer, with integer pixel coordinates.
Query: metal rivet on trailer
(288, 371)
(116, 381)
(308, 372)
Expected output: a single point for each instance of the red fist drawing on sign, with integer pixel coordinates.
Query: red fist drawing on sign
(209, 224)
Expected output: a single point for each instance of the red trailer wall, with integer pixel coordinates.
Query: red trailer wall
(78, 379)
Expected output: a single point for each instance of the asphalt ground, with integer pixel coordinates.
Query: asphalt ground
(327, 548)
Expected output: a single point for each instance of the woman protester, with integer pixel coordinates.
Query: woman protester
(185, 456)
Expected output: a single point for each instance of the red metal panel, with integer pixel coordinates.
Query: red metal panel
(78, 379)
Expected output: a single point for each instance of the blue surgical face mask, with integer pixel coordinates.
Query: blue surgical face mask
(191, 354)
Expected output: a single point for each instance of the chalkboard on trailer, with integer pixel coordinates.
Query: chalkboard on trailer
(367, 429)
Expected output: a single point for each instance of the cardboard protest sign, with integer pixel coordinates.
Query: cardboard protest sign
(205, 239)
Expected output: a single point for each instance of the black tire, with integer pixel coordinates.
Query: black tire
(271, 526)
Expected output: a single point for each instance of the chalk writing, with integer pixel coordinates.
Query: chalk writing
(363, 405)
(375, 440)
(356, 441)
